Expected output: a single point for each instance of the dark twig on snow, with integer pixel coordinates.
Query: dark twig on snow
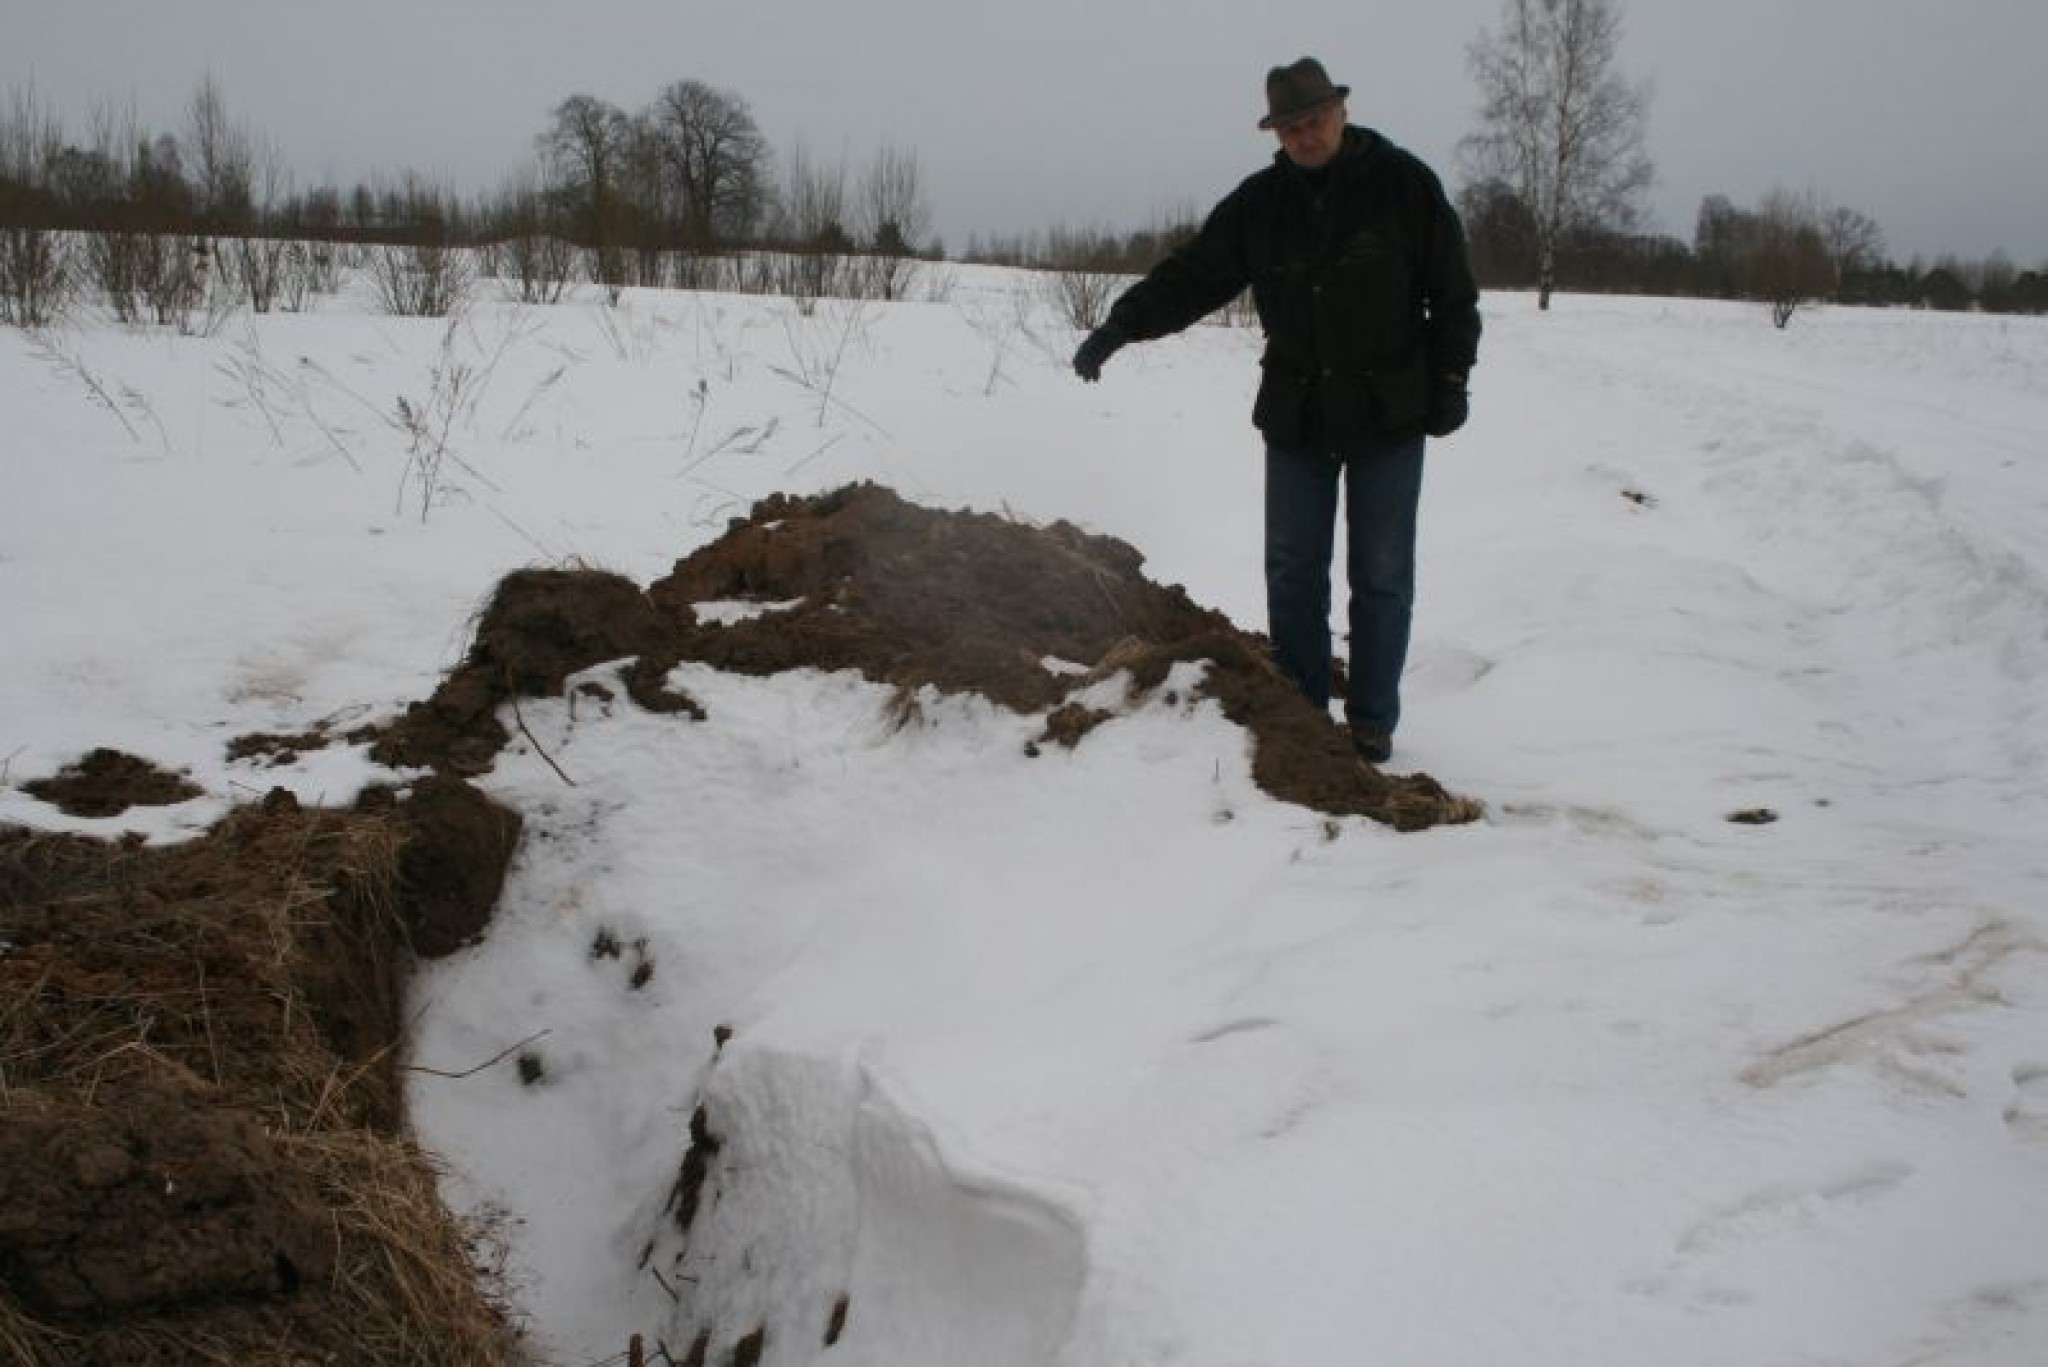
(520, 717)
(496, 1058)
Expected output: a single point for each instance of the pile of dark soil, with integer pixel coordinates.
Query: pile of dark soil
(202, 1140)
(912, 597)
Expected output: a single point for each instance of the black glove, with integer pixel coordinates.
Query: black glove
(1449, 406)
(1097, 347)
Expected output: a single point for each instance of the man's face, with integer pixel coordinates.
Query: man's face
(1312, 137)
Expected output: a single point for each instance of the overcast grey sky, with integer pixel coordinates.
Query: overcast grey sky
(1928, 115)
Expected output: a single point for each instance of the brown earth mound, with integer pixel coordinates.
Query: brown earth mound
(202, 1146)
(964, 602)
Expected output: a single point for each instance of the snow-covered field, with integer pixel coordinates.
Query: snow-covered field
(1104, 1057)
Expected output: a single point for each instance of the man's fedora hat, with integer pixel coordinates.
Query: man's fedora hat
(1296, 89)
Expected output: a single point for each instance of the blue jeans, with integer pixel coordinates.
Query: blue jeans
(1382, 487)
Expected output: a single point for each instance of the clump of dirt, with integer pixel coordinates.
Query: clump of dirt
(202, 1149)
(540, 627)
(265, 747)
(108, 782)
(208, 1207)
(456, 846)
(912, 597)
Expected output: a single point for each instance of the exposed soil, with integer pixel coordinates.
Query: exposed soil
(909, 596)
(202, 1151)
(107, 783)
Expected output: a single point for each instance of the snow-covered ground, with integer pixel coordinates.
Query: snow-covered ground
(1104, 1057)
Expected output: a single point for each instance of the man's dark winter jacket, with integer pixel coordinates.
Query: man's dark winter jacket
(1361, 282)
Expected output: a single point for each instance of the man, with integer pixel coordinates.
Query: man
(1356, 263)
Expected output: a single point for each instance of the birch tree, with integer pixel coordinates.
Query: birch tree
(1558, 123)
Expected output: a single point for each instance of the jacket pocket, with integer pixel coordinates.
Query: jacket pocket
(1401, 394)
(1384, 401)
(1277, 411)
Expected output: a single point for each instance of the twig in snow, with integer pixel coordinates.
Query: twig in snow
(538, 749)
(494, 1059)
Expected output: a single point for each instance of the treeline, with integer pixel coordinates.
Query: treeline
(661, 195)
(1789, 251)
(1094, 249)
(691, 170)
(686, 191)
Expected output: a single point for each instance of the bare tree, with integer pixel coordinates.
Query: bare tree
(175, 274)
(420, 279)
(1083, 277)
(812, 229)
(585, 149)
(648, 200)
(525, 246)
(119, 254)
(36, 271)
(893, 213)
(892, 218)
(1854, 241)
(717, 158)
(262, 264)
(428, 275)
(1789, 263)
(1558, 124)
(223, 159)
